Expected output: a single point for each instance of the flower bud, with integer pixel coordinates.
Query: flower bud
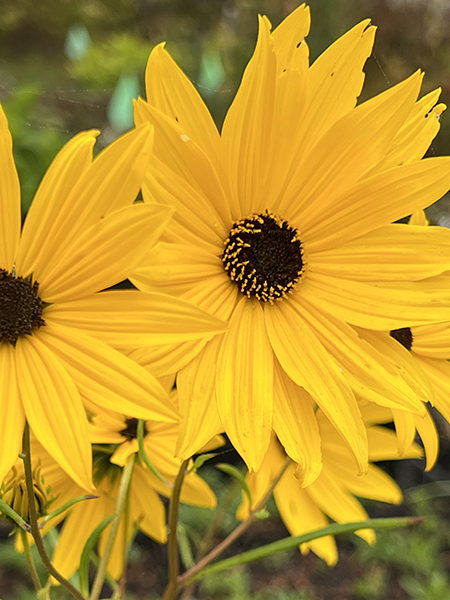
(14, 492)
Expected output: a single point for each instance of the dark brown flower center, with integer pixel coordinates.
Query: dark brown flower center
(404, 336)
(130, 430)
(263, 256)
(20, 307)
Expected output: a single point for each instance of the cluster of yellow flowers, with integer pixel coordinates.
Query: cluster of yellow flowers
(273, 282)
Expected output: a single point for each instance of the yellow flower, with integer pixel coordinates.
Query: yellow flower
(115, 435)
(408, 351)
(333, 493)
(428, 347)
(283, 227)
(83, 234)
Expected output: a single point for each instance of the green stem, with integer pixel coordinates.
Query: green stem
(292, 542)
(211, 532)
(7, 510)
(234, 535)
(120, 505)
(174, 562)
(127, 541)
(26, 456)
(30, 561)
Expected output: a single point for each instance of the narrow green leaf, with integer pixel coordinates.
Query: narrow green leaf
(65, 507)
(234, 472)
(4, 508)
(184, 546)
(292, 542)
(200, 461)
(86, 554)
(143, 454)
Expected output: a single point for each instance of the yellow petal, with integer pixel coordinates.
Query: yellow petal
(55, 188)
(416, 135)
(104, 255)
(170, 91)
(197, 492)
(430, 438)
(300, 514)
(309, 365)
(247, 128)
(177, 268)
(147, 508)
(366, 369)
(295, 424)
(383, 445)
(79, 525)
(12, 419)
(196, 384)
(168, 358)
(376, 201)
(289, 35)
(130, 319)
(9, 198)
(432, 340)
(106, 377)
(337, 74)
(194, 211)
(438, 372)
(186, 160)
(110, 183)
(352, 145)
(404, 363)
(289, 108)
(405, 429)
(392, 253)
(330, 496)
(245, 383)
(54, 409)
(376, 485)
(419, 218)
(378, 306)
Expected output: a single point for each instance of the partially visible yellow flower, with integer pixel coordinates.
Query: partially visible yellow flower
(332, 495)
(83, 234)
(420, 355)
(114, 438)
(283, 226)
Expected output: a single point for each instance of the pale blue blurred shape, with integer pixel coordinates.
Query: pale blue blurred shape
(212, 73)
(77, 44)
(120, 107)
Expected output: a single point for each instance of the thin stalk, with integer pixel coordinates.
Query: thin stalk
(120, 591)
(211, 533)
(30, 561)
(26, 456)
(174, 561)
(294, 542)
(120, 505)
(234, 535)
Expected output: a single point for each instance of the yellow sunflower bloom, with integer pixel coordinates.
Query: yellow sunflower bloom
(114, 436)
(333, 493)
(283, 227)
(427, 349)
(83, 234)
